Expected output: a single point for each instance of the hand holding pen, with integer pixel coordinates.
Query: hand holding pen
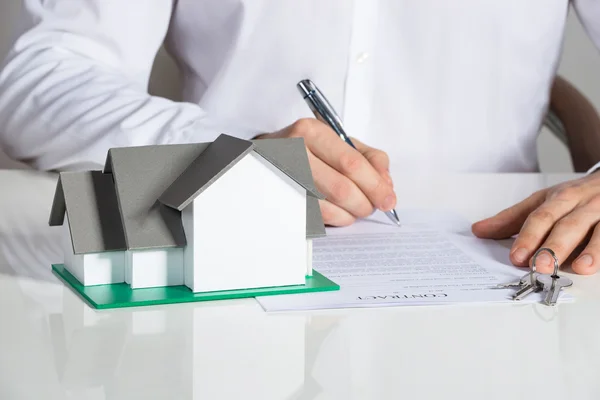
(324, 111)
(354, 178)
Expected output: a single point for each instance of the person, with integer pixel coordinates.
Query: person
(457, 86)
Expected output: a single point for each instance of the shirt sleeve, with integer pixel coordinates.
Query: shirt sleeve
(588, 12)
(75, 84)
(593, 169)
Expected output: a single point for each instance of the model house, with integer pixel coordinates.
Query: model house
(226, 215)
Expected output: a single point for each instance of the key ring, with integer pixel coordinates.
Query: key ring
(556, 266)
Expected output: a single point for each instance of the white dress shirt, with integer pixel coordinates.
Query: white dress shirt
(458, 85)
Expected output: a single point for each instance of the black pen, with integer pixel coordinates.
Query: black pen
(323, 111)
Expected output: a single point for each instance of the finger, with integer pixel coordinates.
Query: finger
(588, 261)
(378, 159)
(338, 189)
(536, 228)
(329, 148)
(508, 222)
(566, 235)
(334, 215)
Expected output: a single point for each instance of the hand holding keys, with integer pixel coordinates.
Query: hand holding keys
(535, 282)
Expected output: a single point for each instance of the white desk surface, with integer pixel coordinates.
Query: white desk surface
(53, 346)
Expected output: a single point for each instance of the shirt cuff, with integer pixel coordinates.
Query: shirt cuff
(593, 169)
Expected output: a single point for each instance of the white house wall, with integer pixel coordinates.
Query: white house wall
(155, 267)
(73, 263)
(94, 268)
(247, 230)
(309, 257)
(187, 220)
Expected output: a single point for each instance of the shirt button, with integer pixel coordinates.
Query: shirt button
(362, 57)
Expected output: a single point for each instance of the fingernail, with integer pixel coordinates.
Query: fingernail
(521, 255)
(585, 260)
(543, 261)
(389, 202)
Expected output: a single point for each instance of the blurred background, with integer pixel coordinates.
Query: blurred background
(580, 65)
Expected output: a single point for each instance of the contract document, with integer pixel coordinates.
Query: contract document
(423, 262)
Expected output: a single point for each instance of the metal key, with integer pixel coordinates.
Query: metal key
(552, 285)
(532, 285)
(531, 276)
(528, 284)
(527, 290)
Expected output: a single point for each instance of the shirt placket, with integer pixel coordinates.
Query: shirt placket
(359, 77)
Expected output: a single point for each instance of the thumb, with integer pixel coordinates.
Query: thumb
(377, 158)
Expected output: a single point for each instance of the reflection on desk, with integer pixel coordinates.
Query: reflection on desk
(53, 346)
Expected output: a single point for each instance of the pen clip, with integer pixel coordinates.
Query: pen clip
(321, 108)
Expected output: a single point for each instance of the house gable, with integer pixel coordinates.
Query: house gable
(290, 156)
(220, 156)
(287, 155)
(246, 230)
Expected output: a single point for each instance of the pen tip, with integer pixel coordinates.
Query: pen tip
(393, 216)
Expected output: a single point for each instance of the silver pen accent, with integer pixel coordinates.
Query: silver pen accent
(324, 112)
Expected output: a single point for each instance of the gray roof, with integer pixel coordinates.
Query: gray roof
(136, 202)
(290, 156)
(314, 220)
(141, 175)
(218, 158)
(93, 211)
